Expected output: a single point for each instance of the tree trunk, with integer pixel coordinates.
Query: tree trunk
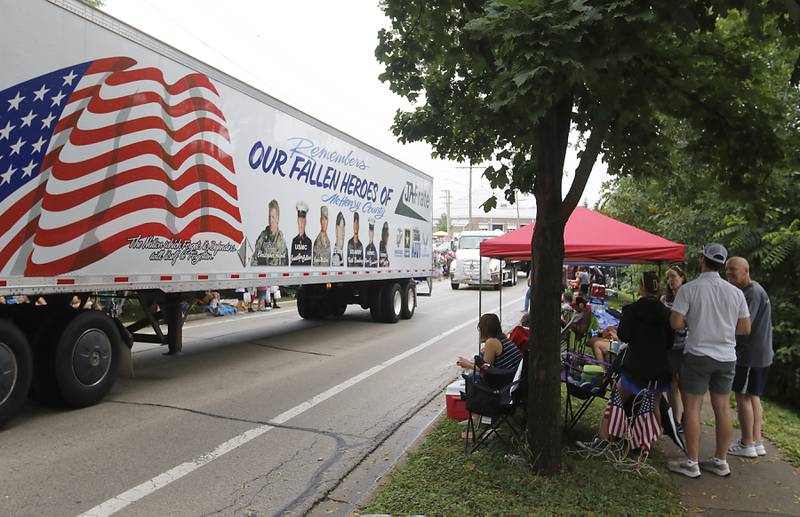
(544, 372)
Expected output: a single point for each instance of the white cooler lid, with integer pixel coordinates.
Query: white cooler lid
(455, 388)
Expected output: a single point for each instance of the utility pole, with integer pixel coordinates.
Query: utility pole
(469, 224)
(446, 193)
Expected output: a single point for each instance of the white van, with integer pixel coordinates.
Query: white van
(465, 270)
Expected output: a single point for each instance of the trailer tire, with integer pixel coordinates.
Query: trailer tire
(44, 340)
(376, 302)
(307, 306)
(409, 300)
(392, 302)
(86, 358)
(337, 307)
(16, 370)
(454, 286)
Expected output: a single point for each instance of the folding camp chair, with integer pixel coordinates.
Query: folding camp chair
(566, 330)
(585, 385)
(495, 395)
(580, 332)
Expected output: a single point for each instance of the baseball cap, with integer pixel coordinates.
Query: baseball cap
(715, 252)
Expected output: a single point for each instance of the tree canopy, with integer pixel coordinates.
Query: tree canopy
(761, 223)
(510, 79)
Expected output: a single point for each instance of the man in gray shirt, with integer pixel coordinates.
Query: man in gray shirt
(753, 359)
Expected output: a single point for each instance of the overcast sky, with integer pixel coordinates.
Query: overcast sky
(318, 56)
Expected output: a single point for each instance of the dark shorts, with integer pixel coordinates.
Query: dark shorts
(750, 381)
(240, 296)
(702, 373)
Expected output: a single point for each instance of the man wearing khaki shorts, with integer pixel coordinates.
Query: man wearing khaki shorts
(716, 312)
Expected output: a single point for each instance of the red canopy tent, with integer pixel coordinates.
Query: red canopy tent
(591, 238)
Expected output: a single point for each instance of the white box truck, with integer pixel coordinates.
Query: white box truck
(128, 167)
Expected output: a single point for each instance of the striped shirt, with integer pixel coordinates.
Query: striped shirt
(509, 357)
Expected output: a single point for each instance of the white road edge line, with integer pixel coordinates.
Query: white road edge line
(150, 486)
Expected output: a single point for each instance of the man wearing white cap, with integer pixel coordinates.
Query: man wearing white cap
(301, 244)
(370, 252)
(713, 312)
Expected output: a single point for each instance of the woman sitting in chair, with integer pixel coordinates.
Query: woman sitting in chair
(601, 345)
(645, 371)
(498, 350)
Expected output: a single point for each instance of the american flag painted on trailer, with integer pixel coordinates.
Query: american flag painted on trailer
(102, 152)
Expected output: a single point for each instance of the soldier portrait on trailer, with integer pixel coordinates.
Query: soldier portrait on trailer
(301, 244)
(270, 247)
(337, 256)
(383, 252)
(322, 245)
(355, 250)
(370, 252)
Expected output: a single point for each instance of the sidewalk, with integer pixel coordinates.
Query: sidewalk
(763, 486)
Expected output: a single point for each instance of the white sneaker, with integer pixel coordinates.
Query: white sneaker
(737, 448)
(760, 450)
(716, 466)
(683, 467)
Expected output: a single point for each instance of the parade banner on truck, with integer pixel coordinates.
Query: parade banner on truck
(113, 158)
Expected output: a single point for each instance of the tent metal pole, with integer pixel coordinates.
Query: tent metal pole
(480, 294)
(501, 292)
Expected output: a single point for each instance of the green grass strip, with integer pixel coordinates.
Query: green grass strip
(439, 479)
(782, 428)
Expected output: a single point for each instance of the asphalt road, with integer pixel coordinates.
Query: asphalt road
(263, 414)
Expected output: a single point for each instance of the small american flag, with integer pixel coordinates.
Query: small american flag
(615, 417)
(645, 428)
(101, 152)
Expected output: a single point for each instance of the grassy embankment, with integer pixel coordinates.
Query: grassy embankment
(439, 479)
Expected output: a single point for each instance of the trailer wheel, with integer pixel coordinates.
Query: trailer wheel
(454, 285)
(409, 300)
(307, 306)
(44, 339)
(86, 358)
(376, 302)
(16, 370)
(337, 307)
(392, 298)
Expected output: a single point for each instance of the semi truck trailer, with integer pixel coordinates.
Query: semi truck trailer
(131, 169)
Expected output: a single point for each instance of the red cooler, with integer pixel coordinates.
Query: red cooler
(598, 291)
(456, 408)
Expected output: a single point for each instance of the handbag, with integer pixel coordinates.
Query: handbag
(485, 400)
